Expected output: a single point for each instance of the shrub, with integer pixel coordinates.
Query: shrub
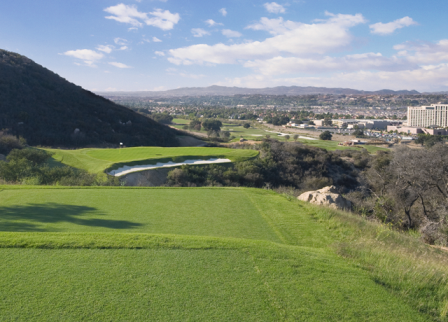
(10, 142)
(325, 135)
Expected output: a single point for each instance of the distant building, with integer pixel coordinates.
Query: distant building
(374, 124)
(361, 123)
(425, 116)
(417, 130)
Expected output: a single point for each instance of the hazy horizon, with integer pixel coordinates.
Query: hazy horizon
(157, 45)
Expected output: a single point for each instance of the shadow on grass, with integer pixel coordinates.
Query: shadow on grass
(30, 217)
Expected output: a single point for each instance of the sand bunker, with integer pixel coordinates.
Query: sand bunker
(135, 168)
(300, 136)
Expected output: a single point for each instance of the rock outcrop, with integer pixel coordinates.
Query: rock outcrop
(328, 197)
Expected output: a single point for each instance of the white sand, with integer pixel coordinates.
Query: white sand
(300, 136)
(129, 169)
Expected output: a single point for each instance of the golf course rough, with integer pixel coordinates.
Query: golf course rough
(176, 254)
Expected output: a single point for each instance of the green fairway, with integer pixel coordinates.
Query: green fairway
(254, 133)
(177, 254)
(333, 145)
(98, 160)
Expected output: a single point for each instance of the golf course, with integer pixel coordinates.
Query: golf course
(100, 160)
(205, 254)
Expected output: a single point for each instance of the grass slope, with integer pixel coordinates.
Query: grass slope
(98, 160)
(203, 254)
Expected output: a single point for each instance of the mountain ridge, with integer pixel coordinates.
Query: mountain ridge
(216, 90)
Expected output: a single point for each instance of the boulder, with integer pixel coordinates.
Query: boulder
(328, 197)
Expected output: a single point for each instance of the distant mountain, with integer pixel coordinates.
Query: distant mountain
(228, 91)
(47, 110)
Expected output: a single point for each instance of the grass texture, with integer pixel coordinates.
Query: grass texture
(205, 254)
(99, 160)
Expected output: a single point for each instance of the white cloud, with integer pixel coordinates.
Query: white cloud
(223, 11)
(367, 61)
(424, 52)
(303, 39)
(159, 53)
(212, 23)
(155, 39)
(274, 7)
(119, 65)
(120, 41)
(105, 48)
(388, 28)
(89, 57)
(126, 14)
(123, 47)
(231, 33)
(162, 19)
(274, 26)
(199, 32)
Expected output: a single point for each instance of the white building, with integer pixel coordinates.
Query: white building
(424, 116)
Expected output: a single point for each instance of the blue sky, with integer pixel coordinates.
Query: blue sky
(139, 45)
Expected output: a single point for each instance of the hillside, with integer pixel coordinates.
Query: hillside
(229, 91)
(167, 254)
(47, 110)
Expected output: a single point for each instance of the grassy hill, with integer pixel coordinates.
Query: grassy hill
(206, 254)
(98, 160)
(47, 110)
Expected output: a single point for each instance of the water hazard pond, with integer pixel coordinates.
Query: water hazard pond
(136, 168)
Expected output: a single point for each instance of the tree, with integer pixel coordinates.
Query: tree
(246, 125)
(276, 120)
(325, 135)
(214, 125)
(295, 137)
(163, 118)
(287, 137)
(358, 133)
(195, 125)
(311, 123)
(225, 134)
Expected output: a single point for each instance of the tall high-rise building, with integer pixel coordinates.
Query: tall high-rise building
(424, 116)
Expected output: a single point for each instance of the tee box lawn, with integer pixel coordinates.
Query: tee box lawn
(176, 254)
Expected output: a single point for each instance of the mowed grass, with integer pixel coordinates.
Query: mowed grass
(202, 254)
(248, 284)
(98, 160)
